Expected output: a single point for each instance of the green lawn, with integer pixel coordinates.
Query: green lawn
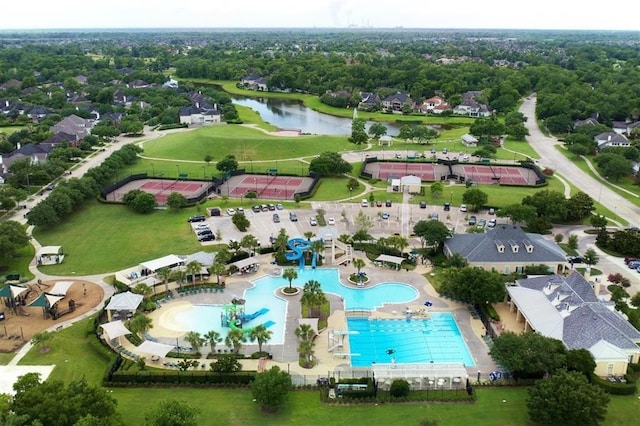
(249, 116)
(20, 263)
(5, 358)
(106, 238)
(522, 147)
(8, 130)
(245, 143)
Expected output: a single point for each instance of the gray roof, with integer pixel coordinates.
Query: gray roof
(485, 247)
(566, 308)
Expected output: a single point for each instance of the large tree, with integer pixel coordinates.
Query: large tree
(12, 238)
(579, 206)
(358, 132)
(313, 296)
(172, 413)
(528, 354)
(227, 164)
(476, 198)
(261, 335)
(474, 285)
(518, 213)
(140, 201)
(431, 232)
(550, 204)
(567, 398)
(270, 388)
(329, 164)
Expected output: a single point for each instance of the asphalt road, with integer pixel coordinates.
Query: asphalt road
(550, 157)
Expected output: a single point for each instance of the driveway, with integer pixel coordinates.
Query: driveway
(550, 157)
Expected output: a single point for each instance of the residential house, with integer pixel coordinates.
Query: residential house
(611, 140)
(119, 97)
(170, 84)
(138, 84)
(60, 138)
(200, 114)
(37, 113)
(81, 79)
(369, 101)
(11, 84)
(434, 105)
(76, 99)
(569, 309)
(625, 127)
(472, 108)
(35, 153)
(255, 82)
(73, 125)
(591, 121)
(506, 249)
(397, 102)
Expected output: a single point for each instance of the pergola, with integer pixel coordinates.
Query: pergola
(169, 261)
(396, 260)
(126, 301)
(48, 255)
(245, 263)
(115, 329)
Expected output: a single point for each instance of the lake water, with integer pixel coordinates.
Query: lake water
(291, 114)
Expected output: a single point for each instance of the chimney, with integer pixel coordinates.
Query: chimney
(596, 287)
(18, 145)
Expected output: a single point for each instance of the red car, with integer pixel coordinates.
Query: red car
(378, 203)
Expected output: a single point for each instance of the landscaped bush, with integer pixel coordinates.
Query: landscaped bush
(628, 388)
(399, 388)
(174, 377)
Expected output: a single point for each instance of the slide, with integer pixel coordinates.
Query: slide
(248, 330)
(250, 317)
(298, 245)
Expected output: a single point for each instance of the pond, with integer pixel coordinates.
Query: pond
(292, 114)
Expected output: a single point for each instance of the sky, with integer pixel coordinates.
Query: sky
(500, 14)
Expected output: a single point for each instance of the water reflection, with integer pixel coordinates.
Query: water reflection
(292, 114)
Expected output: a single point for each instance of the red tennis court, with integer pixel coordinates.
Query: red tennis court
(265, 186)
(503, 175)
(161, 188)
(425, 171)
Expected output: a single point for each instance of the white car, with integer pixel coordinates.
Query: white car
(463, 207)
(331, 221)
(231, 212)
(313, 221)
(202, 226)
(364, 203)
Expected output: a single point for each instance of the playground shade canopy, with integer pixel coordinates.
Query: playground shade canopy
(155, 348)
(168, 261)
(12, 291)
(61, 288)
(115, 329)
(391, 259)
(46, 300)
(243, 263)
(126, 301)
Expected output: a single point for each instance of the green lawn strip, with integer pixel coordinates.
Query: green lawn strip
(75, 352)
(19, 263)
(8, 130)
(625, 182)
(249, 116)
(523, 147)
(101, 238)
(244, 142)
(5, 358)
(331, 189)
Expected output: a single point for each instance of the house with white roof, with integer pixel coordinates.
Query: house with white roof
(611, 140)
(568, 309)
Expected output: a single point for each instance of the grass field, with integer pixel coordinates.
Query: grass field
(20, 263)
(7, 130)
(107, 238)
(244, 142)
(495, 406)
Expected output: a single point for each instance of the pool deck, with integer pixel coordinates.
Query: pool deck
(286, 355)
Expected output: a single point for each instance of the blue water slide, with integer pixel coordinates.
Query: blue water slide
(298, 247)
(256, 314)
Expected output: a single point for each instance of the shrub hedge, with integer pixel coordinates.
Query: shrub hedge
(173, 377)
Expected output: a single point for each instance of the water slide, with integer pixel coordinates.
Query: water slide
(256, 314)
(299, 246)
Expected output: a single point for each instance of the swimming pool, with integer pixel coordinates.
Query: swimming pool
(354, 298)
(437, 339)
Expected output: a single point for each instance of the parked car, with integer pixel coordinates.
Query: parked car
(492, 223)
(271, 207)
(264, 208)
(207, 237)
(197, 218)
(473, 220)
(256, 209)
(447, 207)
(387, 203)
(378, 203)
(293, 217)
(492, 211)
(240, 210)
(279, 206)
(423, 204)
(364, 203)
(384, 215)
(575, 259)
(202, 226)
(634, 264)
(481, 224)
(627, 260)
(313, 221)
(331, 221)
(463, 207)
(231, 211)
(445, 150)
(434, 216)
(204, 232)
(276, 218)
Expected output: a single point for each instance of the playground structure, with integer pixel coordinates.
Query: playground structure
(341, 253)
(235, 317)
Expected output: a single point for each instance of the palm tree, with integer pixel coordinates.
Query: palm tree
(179, 276)
(281, 241)
(306, 352)
(142, 289)
(308, 235)
(235, 338)
(249, 242)
(164, 274)
(140, 324)
(218, 269)
(313, 296)
(305, 332)
(261, 334)
(383, 243)
(213, 338)
(290, 274)
(358, 264)
(195, 340)
(235, 246)
(317, 247)
(194, 267)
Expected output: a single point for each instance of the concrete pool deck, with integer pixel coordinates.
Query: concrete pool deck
(286, 355)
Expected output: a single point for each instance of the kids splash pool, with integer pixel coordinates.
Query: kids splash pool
(436, 339)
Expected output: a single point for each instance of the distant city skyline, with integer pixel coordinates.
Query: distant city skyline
(460, 14)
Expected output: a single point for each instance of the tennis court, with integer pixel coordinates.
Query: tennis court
(504, 175)
(161, 188)
(425, 171)
(265, 186)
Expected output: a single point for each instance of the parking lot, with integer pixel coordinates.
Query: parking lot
(263, 226)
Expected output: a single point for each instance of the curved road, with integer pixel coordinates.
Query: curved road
(550, 157)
